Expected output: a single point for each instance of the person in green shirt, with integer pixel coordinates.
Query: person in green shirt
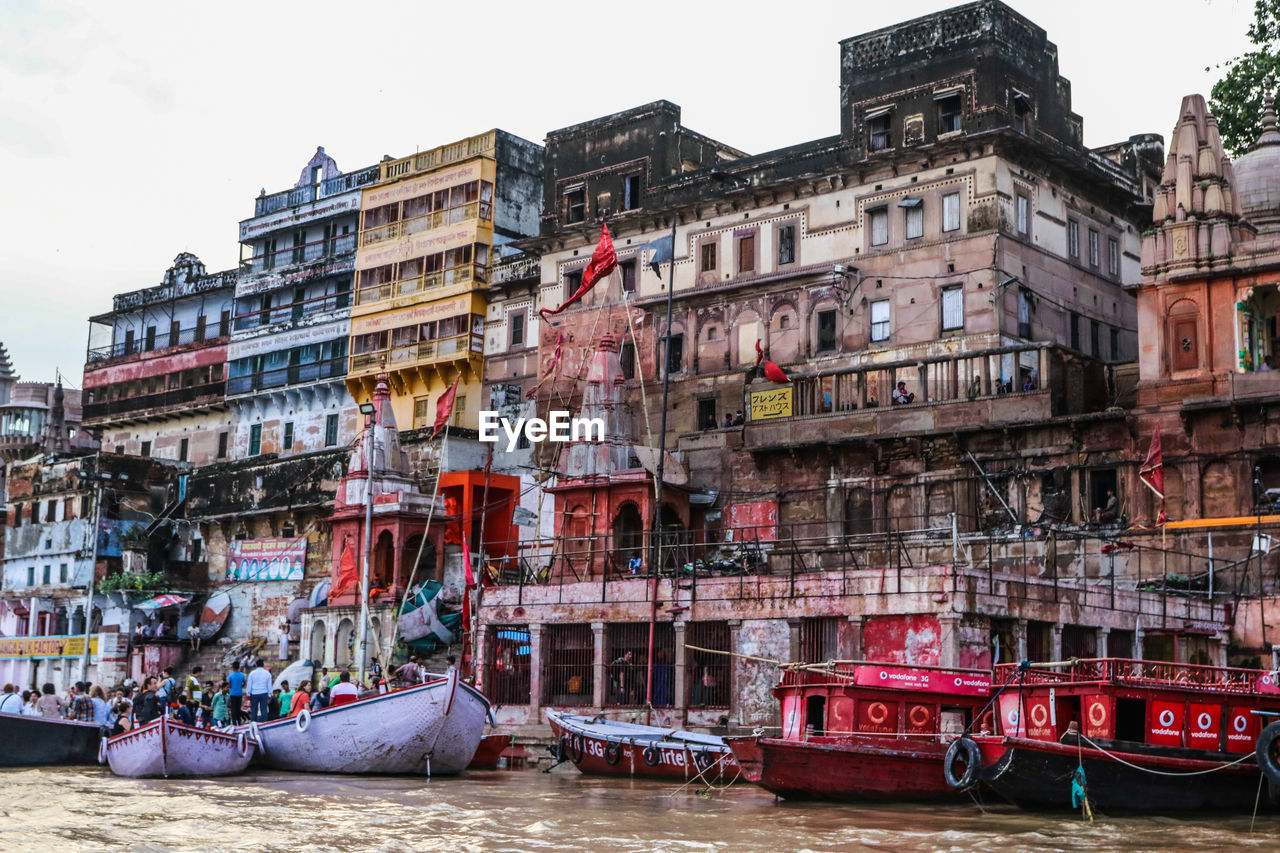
(286, 699)
(221, 706)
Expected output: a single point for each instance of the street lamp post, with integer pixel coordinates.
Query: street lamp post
(366, 409)
(98, 478)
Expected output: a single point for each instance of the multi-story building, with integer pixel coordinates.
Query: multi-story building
(156, 386)
(431, 230)
(943, 282)
(287, 359)
(36, 417)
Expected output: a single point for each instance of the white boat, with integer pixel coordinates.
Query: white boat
(166, 747)
(431, 728)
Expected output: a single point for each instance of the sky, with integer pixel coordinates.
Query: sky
(130, 132)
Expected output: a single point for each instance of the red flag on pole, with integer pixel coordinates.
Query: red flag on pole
(444, 406)
(348, 575)
(759, 353)
(1152, 472)
(603, 261)
(774, 373)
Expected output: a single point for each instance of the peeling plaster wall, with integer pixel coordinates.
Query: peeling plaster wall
(753, 682)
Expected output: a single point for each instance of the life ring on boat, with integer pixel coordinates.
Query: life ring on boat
(873, 716)
(651, 756)
(1265, 753)
(303, 720)
(919, 716)
(253, 730)
(102, 751)
(242, 743)
(1097, 714)
(962, 751)
(612, 752)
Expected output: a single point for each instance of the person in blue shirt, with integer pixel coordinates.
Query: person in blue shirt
(235, 698)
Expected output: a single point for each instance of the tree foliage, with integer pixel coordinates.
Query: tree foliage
(1236, 99)
(133, 582)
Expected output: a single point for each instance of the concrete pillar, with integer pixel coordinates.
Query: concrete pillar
(793, 624)
(736, 679)
(679, 628)
(949, 641)
(1138, 652)
(1104, 640)
(1055, 641)
(598, 684)
(851, 645)
(1022, 639)
(535, 672)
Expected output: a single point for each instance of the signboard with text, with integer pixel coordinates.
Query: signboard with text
(46, 647)
(267, 559)
(774, 403)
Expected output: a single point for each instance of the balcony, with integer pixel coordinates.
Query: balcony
(518, 267)
(158, 403)
(1003, 385)
(457, 348)
(294, 374)
(475, 274)
(427, 222)
(313, 192)
(314, 251)
(102, 356)
(475, 146)
(292, 312)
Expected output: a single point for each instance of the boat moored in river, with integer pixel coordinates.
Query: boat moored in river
(1132, 735)
(604, 747)
(27, 741)
(167, 748)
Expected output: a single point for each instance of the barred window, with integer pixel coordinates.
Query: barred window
(707, 674)
(507, 656)
(567, 671)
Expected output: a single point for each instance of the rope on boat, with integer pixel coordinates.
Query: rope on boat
(1154, 772)
(711, 786)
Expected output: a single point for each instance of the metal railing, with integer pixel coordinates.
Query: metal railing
(313, 250)
(1146, 673)
(481, 210)
(420, 353)
(474, 146)
(294, 374)
(312, 192)
(157, 400)
(196, 334)
(517, 267)
(292, 311)
(466, 274)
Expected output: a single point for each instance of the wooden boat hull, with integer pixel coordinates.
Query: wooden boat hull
(489, 751)
(37, 741)
(1037, 774)
(605, 748)
(432, 729)
(845, 768)
(168, 748)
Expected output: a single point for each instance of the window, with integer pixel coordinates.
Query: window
(224, 324)
(628, 359)
(1093, 248)
(707, 257)
(268, 254)
(952, 308)
(707, 673)
(826, 330)
(575, 205)
(31, 575)
(175, 333)
(948, 113)
(747, 253)
(1073, 239)
(183, 447)
(331, 431)
(880, 320)
(128, 341)
(255, 439)
(951, 212)
(912, 217)
(222, 445)
(1022, 112)
(48, 575)
(707, 414)
(1075, 330)
(287, 441)
(84, 506)
(628, 276)
(786, 244)
(150, 339)
(1024, 215)
(572, 281)
(1113, 256)
(1115, 344)
(675, 354)
(879, 226)
(62, 573)
(1024, 314)
(517, 329)
(1094, 331)
(299, 246)
(51, 511)
(146, 449)
(200, 327)
(879, 131)
(631, 192)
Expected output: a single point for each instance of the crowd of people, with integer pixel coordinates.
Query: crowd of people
(237, 698)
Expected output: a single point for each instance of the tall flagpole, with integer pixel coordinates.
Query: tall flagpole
(662, 459)
(371, 423)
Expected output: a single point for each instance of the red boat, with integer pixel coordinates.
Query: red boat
(1132, 735)
(611, 748)
(490, 751)
(854, 731)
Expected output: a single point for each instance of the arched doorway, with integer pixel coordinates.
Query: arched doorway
(628, 536)
(383, 561)
(344, 643)
(316, 652)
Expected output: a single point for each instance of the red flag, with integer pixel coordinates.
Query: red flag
(444, 406)
(466, 560)
(1152, 470)
(603, 261)
(348, 576)
(774, 373)
(759, 353)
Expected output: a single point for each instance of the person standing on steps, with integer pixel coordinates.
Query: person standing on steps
(258, 686)
(235, 698)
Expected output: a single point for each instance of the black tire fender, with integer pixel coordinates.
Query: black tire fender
(1264, 753)
(962, 750)
(612, 752)
(651, 756)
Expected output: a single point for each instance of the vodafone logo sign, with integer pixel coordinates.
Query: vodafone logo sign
(1204, 721)
(883, 675)
(959, 681)
(1166, 718)
(1013, 717)
(1240, 723)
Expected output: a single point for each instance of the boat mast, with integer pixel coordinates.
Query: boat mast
(371, 421)
(657, 489)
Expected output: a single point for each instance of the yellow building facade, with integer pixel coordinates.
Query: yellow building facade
(426, 245)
